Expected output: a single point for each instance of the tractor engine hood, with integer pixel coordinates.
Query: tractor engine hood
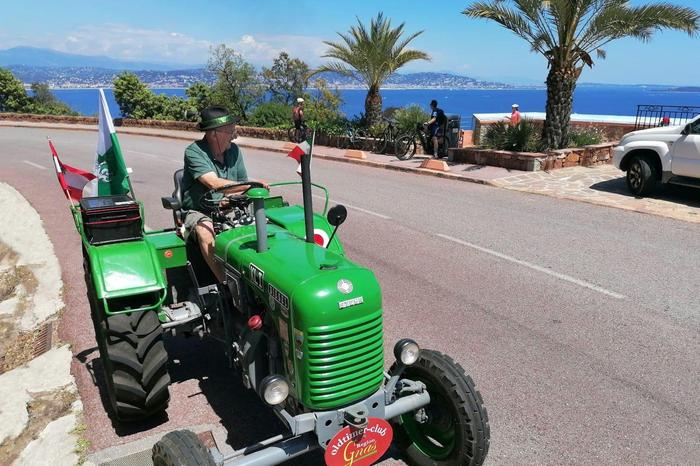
(308, 275)
(326, 308)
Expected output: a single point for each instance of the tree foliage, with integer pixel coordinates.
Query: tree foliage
(322, 108)
(271, 115)
(136, 100)
(408, 117)
(286, 79)
(371, 55)
(13, 97)
(237, 86)
(568, 33)
(45, 103)
(133, 97)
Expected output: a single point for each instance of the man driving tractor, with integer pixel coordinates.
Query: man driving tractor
(211, 162)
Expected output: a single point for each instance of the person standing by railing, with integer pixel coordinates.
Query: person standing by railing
(514, 115)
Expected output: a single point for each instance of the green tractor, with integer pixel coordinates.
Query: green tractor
(301, 324)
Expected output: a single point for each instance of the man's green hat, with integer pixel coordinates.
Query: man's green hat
(214, 117)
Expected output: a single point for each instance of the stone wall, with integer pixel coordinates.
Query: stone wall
(586, 156)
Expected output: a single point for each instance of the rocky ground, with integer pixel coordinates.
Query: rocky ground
(40, 406)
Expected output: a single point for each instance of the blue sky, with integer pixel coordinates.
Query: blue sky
(182, 32)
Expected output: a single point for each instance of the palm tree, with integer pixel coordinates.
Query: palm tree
(568, 32)
(371, 56)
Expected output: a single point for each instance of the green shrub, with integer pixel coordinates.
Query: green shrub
(524, 137)
(495, 137)
(585, 137)
(271, 115)
(408, 117)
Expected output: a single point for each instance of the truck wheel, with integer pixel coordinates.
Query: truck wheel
(456, 428)
(181, 448)
(642, 176)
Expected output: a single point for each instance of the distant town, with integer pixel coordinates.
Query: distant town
(91, 77)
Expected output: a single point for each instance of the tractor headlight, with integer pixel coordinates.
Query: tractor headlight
(274, 389)
(406, 351)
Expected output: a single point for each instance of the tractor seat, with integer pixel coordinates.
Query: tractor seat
(174, 202)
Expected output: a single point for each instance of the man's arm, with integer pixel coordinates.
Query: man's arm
(211, 181)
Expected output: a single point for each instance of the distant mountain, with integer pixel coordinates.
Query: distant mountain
(58, 69)
(423, 80)
(32, 56)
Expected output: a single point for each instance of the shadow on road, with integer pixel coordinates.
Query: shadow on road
(671, 193)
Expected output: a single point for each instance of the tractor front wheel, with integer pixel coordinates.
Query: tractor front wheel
(454, 428)
(181, 448)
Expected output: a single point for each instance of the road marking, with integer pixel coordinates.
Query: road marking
(558, 275)
(350, 206)
(36, 165)
(143, 153)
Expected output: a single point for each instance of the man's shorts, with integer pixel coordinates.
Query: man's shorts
(435, 131)
(193, 218)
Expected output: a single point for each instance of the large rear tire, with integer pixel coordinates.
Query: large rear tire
(181, 448)
(456, 431)
(133, 357)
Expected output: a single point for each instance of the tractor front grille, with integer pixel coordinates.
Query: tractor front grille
(345, 361)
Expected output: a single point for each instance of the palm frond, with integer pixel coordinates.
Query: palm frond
(373, 52)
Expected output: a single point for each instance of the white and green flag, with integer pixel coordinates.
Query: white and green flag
(110, 169)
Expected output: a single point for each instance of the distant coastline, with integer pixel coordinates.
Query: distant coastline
(340, 88)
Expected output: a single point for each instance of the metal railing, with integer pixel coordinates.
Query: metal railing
(650, 116)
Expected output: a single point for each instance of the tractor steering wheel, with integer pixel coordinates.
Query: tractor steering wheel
(207, 199)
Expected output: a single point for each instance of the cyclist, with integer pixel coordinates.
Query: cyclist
(436, 125)
(298, 114)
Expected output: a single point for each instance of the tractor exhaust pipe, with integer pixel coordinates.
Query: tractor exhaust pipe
(258, 195)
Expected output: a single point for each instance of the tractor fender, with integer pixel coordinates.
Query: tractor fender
(127, 276)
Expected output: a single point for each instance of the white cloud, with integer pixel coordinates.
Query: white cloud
(261, 49)
(157, 45)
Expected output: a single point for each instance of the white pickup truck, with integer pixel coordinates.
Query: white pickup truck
(669, 154)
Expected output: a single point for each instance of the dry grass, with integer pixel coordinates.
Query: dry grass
(44, 408)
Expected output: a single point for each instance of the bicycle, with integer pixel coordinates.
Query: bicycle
(387, 139)
(407, 144)
(353, 138)
(298, 135)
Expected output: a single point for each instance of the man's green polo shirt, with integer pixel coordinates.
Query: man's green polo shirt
(200, 160)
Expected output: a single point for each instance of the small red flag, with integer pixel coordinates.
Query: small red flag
(72, 180)
(299, 150)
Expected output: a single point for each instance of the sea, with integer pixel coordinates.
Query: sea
(588, 99)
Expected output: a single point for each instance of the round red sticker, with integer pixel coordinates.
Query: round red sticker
(359, 447)
(168, 254)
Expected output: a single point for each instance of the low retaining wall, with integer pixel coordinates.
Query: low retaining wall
(586, 156)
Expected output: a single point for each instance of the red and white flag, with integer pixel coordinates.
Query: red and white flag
(298, 151)
(72, 180)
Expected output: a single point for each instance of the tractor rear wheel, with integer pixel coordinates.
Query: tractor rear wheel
(454, 428)
(181, 448)
(135, 365)
(133, 357)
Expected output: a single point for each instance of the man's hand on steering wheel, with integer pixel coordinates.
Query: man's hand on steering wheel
(208, 197)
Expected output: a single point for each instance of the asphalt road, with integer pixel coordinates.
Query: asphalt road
(580, 324)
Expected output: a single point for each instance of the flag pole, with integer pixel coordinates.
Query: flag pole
(306, 192)
(54, 156)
